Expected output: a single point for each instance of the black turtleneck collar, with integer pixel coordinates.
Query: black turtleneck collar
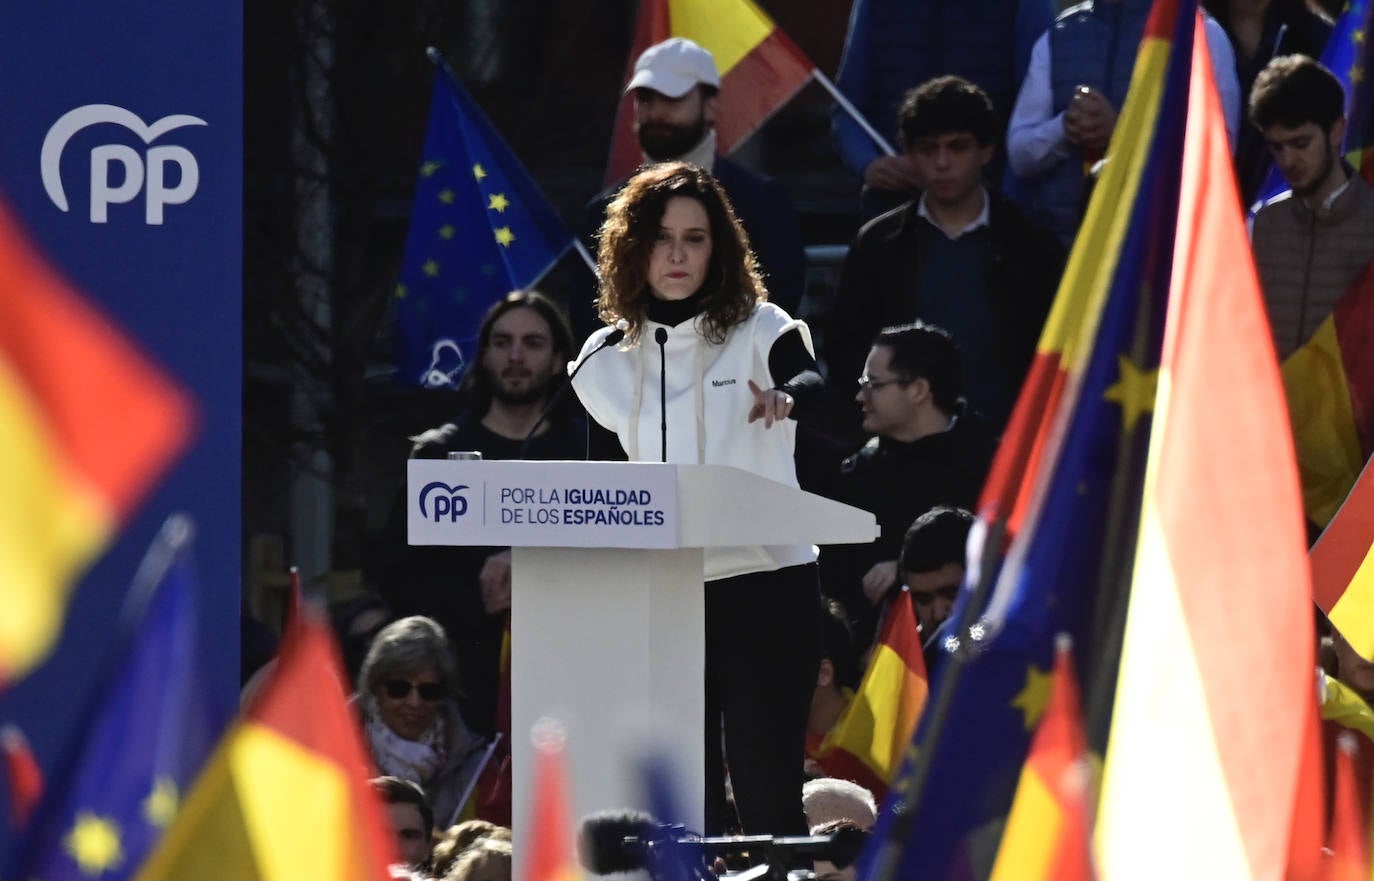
(674, 312)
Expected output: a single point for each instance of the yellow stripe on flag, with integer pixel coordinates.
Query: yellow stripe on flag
(50, 528)
(1072, 325)
(877, 726)
(239, 825)
(1033, 831)
(1328, 447)
(728, 29)
(1354, 611)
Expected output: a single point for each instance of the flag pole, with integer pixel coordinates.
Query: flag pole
(888, 857)
(853, 112)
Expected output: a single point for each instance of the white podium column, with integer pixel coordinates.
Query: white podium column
(610, 643)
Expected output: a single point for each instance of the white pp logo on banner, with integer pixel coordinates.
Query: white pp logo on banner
(147, 172)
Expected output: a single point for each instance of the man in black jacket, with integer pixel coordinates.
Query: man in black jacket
(961, 256)
(930, 448)
(524, 346)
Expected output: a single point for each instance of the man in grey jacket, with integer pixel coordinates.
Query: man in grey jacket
(1312, 241)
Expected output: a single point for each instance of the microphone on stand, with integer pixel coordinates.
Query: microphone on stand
(661, 337)
(612, 338)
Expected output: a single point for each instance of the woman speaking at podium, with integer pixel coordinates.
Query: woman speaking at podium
(710, 372)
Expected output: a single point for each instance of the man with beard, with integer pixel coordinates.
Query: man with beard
(675, 87)
(523, 348)
(1312, 241)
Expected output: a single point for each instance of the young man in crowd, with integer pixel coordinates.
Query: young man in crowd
(929, 448)
(960, 256)
(1311, 241)
(523, 349)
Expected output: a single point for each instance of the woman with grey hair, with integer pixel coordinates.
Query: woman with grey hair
(406, 690)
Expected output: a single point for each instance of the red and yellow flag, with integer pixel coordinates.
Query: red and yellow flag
(1048, 832)
(1220, 585)
(87, 424)
(550, 856)
(1330, 388)
(868, 742)
(1343, 567)
(760, 68)
(285, 794)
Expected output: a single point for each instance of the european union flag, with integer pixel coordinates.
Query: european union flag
(150, 727)
(1348, 55)
(1068, 566)
(479, 229)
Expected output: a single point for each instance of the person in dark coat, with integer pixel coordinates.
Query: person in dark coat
(960, 256)
(930, 448)
(523, 349)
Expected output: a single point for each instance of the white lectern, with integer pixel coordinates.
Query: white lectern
(607, 607)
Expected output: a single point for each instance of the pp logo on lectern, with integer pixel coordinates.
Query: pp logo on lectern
(146, 172)
(447, 501)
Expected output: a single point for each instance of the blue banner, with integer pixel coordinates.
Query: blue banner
(121, 136)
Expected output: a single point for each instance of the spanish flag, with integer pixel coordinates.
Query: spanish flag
(87, 425)
(1221, 588)
(1330, 387)
(1062, 497)
(285, 794)
(1343, 567)
(760, 68)
(1048, 830)
(868, 742)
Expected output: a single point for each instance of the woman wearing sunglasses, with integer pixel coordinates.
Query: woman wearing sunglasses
(410, 719)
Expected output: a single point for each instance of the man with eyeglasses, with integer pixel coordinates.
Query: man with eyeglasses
(930, 448)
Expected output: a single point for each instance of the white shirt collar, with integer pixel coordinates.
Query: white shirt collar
(1336, 194)
(983, 218)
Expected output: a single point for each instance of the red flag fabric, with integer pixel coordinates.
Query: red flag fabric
(1349, 857)
(22, 774)
(550, 856)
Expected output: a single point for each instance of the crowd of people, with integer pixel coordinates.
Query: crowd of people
(945, 290)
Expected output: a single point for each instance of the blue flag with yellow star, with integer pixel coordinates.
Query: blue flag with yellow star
(479, 229)
(148, 730)
(1348, 55)
(1066, 488)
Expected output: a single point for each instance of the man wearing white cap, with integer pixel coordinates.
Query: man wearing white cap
(675, 84)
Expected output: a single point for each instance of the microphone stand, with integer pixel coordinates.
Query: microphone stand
(661, 337)
(611, 339)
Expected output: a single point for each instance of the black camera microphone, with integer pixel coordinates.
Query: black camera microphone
(613, 338)
(661, 337)
(627, 841)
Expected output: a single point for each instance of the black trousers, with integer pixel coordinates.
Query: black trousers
(763, 647)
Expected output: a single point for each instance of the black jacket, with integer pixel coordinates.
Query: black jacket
(899, 482)
(882, 266)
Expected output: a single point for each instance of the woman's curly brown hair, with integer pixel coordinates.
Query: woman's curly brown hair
(733, 283)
